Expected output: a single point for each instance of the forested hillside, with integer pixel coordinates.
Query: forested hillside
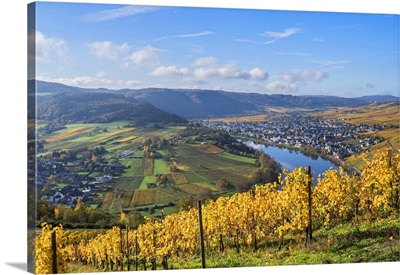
(98, 107)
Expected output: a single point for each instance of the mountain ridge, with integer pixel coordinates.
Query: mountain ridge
(201, 103)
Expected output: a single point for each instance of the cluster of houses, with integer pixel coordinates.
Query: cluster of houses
(77, 179)
(339, 140)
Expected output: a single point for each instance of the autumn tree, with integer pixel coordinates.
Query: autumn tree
(52, 177)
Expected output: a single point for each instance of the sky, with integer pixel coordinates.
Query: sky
(231, 49)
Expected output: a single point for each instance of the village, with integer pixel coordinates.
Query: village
(77, 176)
(325, 137)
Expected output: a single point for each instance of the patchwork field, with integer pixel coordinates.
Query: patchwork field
(197, 166)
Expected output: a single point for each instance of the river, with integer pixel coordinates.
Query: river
(292, 159)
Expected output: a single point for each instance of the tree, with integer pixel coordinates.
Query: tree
(123, 218)
(80, 211)
(135, 218)
(57, 213)
(95, 158)
(172, 168)
(223, 183)
(184, 204)
(151, 210)
(147, 142)
(52, 177)
(268, 170)
(160, 179)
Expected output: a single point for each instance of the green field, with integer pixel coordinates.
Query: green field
(132, 167)
(237, 158)
(160, 167)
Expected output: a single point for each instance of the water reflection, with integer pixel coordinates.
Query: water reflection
(291, 159)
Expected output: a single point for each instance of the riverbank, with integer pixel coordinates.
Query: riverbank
(337, 162)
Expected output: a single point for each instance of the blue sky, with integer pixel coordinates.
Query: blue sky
(243, 50)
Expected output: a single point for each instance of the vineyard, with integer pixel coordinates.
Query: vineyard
(276, 215)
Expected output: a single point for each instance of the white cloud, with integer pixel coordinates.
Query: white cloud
(129, 83)
(108, 50)
(188, 35)
(224, 71)
(112, 14)
(279, 35)
(101, 74)
(258, 74)
(87, 81)
(291, 81)
(205, 73)
(147, 56)
(81, 81)
(331, 63)
(205, 61)
(46, 46)
(170, 71)
(274, 35)
(209, 67)
(193, 34)
(281, 87)
(304, 75)
(320, 40)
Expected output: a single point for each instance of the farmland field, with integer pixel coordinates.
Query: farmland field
(255, 118)
(107, 200)
(193, 188)
(179, 178)
(209, 149)
(128, 183)
(162, 197)
(127, 198)
(160, 167)
(131, 166)
(128, 138)
(194, 177)
(143, 197)
(108, 135)
(197, 165)
(147, 165)
(67, 134)
(237, 158)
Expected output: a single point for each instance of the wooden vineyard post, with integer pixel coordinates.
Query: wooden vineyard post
(127, 246)
(394, 195)
(154, 259)
(121, 265)
(281, 235)
(136, 253)
(54, 249)
(203, 259)
(309, 226)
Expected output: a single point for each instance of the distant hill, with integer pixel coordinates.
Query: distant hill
(51, 87)
(100, 107)
(194, 103)
(379, 98)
